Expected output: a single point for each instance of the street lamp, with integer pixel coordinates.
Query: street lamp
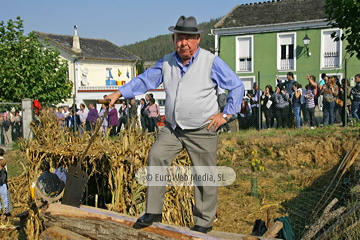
(306, 41)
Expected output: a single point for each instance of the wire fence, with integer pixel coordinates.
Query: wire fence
(270, 104)
(328, 213)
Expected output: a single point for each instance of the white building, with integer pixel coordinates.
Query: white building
(97, 67)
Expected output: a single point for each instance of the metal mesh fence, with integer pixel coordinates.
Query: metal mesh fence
(311, 217)
(278, 109)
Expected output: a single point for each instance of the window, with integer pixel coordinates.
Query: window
(248, 82)
(339, 75)
(330, 50)
(244, 54)
(161, 102)
(281, 79)
(286, 52)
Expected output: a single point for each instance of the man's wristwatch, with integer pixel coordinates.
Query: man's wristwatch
(225, 116)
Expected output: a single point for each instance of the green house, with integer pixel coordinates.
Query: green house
(266, 40)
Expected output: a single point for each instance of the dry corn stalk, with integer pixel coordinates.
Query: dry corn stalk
(117, 159)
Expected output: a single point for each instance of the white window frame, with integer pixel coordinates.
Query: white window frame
(278, 57)
(253, 79)
(339, 74)
(322, 49)
(237, 56)
(282, 77)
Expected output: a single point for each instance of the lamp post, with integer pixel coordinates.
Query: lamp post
(306, 41)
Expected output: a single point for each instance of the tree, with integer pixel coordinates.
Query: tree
(29, 68)
(345, 14)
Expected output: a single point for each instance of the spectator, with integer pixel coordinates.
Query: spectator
(296, 103)
(65, 111)
(268, 107)
(6, 129)
(355, 93)
(310, 107)
(132, 114)
(154, 113)
(60, 115)
(91, 117)
(245, 112)
(5, 202)
(345, 109)
(113, 119)
(322, 82)
(144, 119)
(329, 91)
(254, 104)
(281, 100)
(315, 89)
(105, 123)
(16, 126)
(123, 116)
(82, 113)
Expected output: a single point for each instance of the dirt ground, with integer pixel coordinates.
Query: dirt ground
(294, 161)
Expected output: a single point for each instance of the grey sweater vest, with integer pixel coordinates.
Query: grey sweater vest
(191, 99)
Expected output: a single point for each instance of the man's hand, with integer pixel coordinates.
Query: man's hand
(217, 120)
(113, 97)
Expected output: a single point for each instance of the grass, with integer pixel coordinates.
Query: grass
(14, 160)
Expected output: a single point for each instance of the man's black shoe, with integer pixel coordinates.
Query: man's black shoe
(201, 229)
(148, 219)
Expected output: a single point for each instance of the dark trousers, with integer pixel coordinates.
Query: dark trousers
(305, 114)
(153, 124)
(311, 114)
(122, 120)
(113, 131)
(283, 117)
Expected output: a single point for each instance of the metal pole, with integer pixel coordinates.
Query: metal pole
(74, 114)
(345, 96)
(259, 109)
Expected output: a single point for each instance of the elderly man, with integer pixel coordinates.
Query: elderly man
(190, 76)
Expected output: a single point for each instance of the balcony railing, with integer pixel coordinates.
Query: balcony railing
(97, 88)
(331, 60)
(245, 63)
(286, 64)
(106, 88)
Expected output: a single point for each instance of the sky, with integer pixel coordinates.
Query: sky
(120, 22)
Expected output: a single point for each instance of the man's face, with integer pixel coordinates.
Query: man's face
(186, 45)
(65, 109)
(357, 79)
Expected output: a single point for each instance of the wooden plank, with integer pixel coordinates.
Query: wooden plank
(103, 224)
(274, 229)
(58, 233)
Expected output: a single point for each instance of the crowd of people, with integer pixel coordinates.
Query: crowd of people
(10, 126)
(85, 119)
(292, 105)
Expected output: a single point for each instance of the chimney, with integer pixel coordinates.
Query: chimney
(76, 42)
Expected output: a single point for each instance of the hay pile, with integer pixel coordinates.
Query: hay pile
(114, 160)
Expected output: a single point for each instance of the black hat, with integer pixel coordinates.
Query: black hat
(186, 25)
